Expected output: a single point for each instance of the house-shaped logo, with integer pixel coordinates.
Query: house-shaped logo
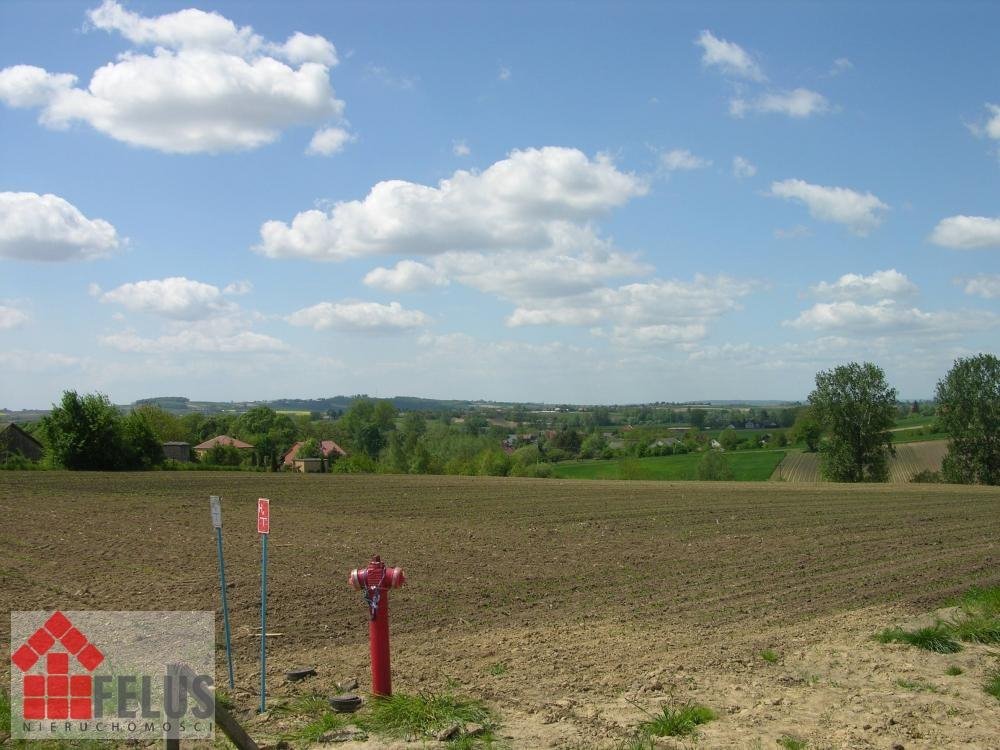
(55, 693)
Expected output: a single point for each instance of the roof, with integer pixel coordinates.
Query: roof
(221, 440)
(176, 442)
(4, 426)
(327, 447)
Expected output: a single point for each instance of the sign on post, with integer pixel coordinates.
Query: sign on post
(263, 516)
(215, 505)
(263, 528)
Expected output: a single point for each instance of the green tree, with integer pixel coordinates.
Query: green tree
(310, 448)
(729, 439)
(969, 410)
(856, 407)
(714, 467)
(87, 433)
(807, 429)
(697, 418)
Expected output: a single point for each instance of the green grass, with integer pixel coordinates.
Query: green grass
(992, 685)
(792, 743)
(499, 669)
(954, 671)
(636, 741)
(769, 655)
(423, 716)
(678, 722)
(937, 638)
(312, 731)
(917, 686)
(747, 466)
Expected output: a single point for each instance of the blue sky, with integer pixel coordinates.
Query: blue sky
(593, 202)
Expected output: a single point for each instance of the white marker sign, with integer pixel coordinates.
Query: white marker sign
(216, 511)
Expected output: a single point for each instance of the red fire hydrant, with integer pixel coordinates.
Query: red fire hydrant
(375, 581)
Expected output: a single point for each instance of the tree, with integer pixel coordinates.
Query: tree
(856, 407)
(807, 429)
(969, 410)
(87, 433)
(729, 439)
(714, 466)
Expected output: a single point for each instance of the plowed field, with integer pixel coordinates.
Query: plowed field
(587, 592)
(910, 458)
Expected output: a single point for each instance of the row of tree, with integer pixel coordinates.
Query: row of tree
(853, 408)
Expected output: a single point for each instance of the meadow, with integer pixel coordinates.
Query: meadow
(747, 466)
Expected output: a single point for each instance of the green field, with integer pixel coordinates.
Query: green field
(748, 466)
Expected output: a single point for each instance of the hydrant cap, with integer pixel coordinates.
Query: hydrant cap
(354, 579)
(397, 577)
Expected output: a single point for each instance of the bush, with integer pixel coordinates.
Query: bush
(714, 467)
(223, 455)
(927, 476)
(358, 463)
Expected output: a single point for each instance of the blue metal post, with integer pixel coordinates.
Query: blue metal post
(225, 606)
(263, 623)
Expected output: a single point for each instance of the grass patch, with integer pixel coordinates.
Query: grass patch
(792, 743)
(678, 722)
(937, 638)
(917, 686)
(424, 716)
(636, 741)
(499, 669)
(312, 731)
(992, 685)
(769, 655)
(953, 671)
(747, 466)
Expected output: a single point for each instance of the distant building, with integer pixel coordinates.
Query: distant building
(330, 450)
(177, 450)
(202, 448)
(16, 442)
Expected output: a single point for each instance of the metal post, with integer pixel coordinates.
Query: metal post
(225, 607)
(263, 624)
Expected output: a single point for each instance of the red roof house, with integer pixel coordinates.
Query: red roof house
(328, 448)
(221, 440)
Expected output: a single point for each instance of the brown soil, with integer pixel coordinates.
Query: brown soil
(601, 599)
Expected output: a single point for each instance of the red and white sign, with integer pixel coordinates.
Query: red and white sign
(263, 516)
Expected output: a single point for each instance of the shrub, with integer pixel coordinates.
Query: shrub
(357, 463)
(926, 476)
(714, 467)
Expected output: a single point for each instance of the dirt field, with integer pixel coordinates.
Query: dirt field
(910, 458)
(596, 597)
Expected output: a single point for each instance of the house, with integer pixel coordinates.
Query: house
(669, 442)
(715, 445)
(16, 442)
(177, 450)
(202, 448)
(330, 450)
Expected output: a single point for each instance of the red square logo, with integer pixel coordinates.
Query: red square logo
(90, 657)
(57, 663)
(81, 685)
(72, 639)
(34, 708)
(57, 624)
(57, 686)
(41, 641)
(34, 686)
(80, 708)
(58, 708)
(24, 658)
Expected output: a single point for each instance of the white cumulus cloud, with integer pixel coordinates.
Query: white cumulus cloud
(728, 57)
(49, 228)
(405, 276)
(743, 168)
(521, 202)
(984, 285)
(177, 298)
(967, 232)
(329, 141)
(358, 316)
(460, 148)
(194, 340)
(207, 86)
(11, 317)
(878, 286)
(860, 212)
(799, 103)
(683, 160)
(887, 316)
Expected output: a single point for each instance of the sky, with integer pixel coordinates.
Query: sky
(566, 202)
